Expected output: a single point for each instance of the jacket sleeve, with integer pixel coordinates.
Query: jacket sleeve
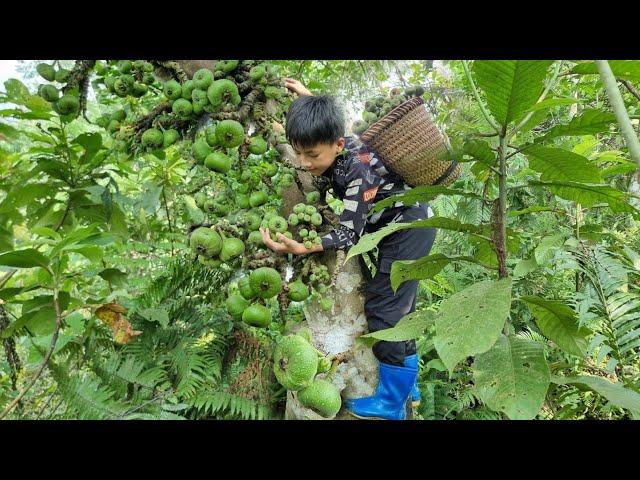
(361, 187)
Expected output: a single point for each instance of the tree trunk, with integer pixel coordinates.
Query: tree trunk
(334, 332)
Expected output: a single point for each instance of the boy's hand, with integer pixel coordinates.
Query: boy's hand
(296, 87)
(287, 245)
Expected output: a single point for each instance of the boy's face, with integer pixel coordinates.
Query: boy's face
(320, 157)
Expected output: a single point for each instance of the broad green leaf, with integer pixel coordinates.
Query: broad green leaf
(589, 195)
(616, 393)
(46, 300)
(370, 240)
(586, 146)
(27, 258)
(559, 164)
(553, 102)
(511, 86)
(436, 364)
(626, 69)
(118, 222)
(559, 323)
(479, 150)
(72, 238)
(524, 267)
(408, 328)
(422, 268)
(24, 195)
(104, 238)
(620, 169)
(470, 321)
(533, 209)
(107, 201)
(536, 119)
(512, 377)
(91, 142)
(591, 121)
(8, 132)
(41, 321)
(159, 315)
(91, 252)
(17, 92)
(46, 232)
(421, 194)
(545, 250)
(612, 156)
(35, 356)
(484, 252)
(114, 276)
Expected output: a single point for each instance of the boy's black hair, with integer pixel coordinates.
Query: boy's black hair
(314, 119)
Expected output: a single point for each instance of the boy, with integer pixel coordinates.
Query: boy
(315, 130)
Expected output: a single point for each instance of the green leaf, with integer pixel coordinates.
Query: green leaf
(24, 195)
(421, 194)
(553, 102)
(533, 209)
(511, 86)
(91, 142)
(41, 321)
(93, 253)
(17, 92)
(535, 119)
(616, 393)
(159, 315)
(479, 150)
(591, 121)
(43, 342)
(559, 164)
(625, 69)
(470, 321)
(370, 240)
(408, 328)
(422, 268)
(114, 276)
(72, 239)
(545, 250)
(107, 201)
(559, 323)
(588, 195)
(620, 169)
(27, 258)
(8, 131)
(118, 222)
(513, 377)
(524, 267)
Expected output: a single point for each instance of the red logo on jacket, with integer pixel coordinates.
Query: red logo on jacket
(369, 194)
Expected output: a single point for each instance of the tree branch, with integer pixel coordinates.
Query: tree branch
(631, 88)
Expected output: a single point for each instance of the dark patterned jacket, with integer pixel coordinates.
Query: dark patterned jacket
(359, 179)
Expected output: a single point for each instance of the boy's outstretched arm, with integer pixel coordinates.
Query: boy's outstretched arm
(287, 245)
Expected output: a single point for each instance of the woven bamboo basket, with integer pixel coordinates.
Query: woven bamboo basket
(409, 143)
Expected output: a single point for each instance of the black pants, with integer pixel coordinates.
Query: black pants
(382, 307)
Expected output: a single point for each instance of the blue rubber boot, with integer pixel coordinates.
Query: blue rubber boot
(390, 398)
(412, 361)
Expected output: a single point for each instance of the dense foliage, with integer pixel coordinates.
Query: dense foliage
(115, 305)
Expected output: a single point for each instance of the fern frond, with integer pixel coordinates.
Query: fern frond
(615, 306)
